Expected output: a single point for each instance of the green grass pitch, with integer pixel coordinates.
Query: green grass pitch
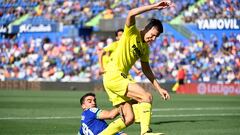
(58, 113)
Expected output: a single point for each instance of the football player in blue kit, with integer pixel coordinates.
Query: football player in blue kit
(93, 119)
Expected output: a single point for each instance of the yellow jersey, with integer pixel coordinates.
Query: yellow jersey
(130, 48)
(110, 48)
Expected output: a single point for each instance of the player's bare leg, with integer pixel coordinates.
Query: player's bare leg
(144, 98)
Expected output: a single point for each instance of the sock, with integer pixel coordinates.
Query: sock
(145, 116)
(136, 110)
(114, 127)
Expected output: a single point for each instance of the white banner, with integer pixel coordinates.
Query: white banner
(218, 24)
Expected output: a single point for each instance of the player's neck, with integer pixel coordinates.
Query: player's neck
(142, 33)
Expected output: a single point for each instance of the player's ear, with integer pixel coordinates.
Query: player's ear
(83, 106)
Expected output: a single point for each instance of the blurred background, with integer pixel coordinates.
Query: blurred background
(58, 40)
(49, 58)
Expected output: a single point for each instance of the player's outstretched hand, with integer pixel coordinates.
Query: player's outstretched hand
(164, 4)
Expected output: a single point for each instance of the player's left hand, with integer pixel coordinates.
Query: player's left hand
(164, 94)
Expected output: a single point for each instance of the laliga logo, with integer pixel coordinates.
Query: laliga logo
(202, 89)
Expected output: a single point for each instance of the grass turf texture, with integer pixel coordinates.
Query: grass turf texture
(58, 113)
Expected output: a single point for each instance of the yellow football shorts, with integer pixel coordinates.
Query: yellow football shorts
(115, 84)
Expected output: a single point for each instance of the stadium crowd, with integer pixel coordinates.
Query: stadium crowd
(77, 59)
(68, 12)
(124, 6)
(213, 9)
(78, 12)
(73, 12)
(200, 58)
(10, 10)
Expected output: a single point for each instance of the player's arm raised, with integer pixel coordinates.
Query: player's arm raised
(149, 74)
(136, 11)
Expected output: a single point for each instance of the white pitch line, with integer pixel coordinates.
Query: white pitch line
(197, 115)
(155, 116)
(38, 118)
(154, 110)
(195, 109)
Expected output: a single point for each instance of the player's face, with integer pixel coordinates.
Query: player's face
(151, 35)
(89, 102)
(119, 35)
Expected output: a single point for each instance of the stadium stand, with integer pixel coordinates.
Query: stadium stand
(213, 9)
(56, 56)
(12, 10)
(166, 15)
(73, 12)
(77, 60)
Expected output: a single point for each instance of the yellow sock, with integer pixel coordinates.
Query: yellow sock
(145, 116)
(114, 127)
(136, 110)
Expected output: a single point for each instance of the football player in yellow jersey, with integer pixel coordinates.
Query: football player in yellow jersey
(105, 56)
(107, 52)
(133, 45)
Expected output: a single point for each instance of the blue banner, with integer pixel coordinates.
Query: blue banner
(30, 28)
(3, 29)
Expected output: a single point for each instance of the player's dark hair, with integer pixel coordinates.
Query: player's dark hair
(119, 30)
(154, 23)
(86, 95)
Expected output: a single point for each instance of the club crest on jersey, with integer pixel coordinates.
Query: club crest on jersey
(136, 52)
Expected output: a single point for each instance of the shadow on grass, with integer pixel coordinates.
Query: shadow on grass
(178, 121)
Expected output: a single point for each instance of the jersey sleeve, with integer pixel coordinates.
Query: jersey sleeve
(98, 113)
(111, 47)
(130, 30)
(95, 111)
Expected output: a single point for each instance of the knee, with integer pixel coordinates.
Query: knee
(129, 120)
(147, 97)
(127, 114)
